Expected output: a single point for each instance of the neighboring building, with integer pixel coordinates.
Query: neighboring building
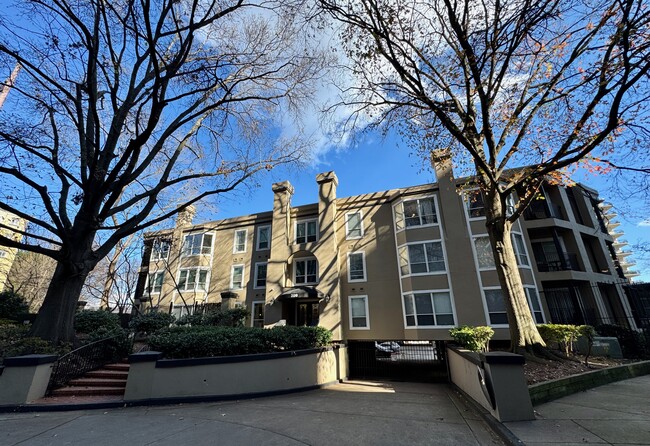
(402, 264)
(9, 224)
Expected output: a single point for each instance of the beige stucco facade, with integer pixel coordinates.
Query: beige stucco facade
(402, 264)
(11, 227)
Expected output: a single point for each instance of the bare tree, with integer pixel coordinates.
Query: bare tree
(122, 106)
(545, 84)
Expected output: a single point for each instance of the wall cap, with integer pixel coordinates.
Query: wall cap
(29, 360)
(502, 358)
(144, 357)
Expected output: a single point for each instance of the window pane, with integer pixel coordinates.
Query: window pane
(410, 321)
(484, 252)
(426, 319)
(203, 276)
(354, 225)
(423, 303)
(300, 232)
(417, 259)
(411, 213)
(403, 260)
(428, 211)
(263, 239)
(445, 319)
(359, 322)
(475, 204)
(207, 244)
(300, 268)
(520, 251)
(399, 217)
(436, 261)
(498, 318)
(260, 279)
(311, 267)
(408, 304)
(311, 231)
(442, 303)
(358, 307)
(356, 267)
(532, 299)
(182, 280)
(495, 301)
(191, 279)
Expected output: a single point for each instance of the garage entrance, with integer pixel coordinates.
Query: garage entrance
(415, 361)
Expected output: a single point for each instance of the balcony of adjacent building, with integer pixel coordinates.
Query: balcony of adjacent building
(554, 250)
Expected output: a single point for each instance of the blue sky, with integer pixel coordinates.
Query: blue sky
(377, 164)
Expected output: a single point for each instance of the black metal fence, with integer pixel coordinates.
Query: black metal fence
(418, 361)
(80, 361)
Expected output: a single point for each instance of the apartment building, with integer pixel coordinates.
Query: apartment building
(403, 264)
(10, 226)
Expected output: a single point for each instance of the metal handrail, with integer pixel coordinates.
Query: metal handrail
(80, 361)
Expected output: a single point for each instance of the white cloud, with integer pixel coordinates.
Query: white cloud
(645, 222)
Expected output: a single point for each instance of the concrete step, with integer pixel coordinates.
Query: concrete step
(87, 391)
(120, 366)
(110, 374)
(97, 382)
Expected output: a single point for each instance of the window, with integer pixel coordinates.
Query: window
(475, 206)
(193, 279)
(179, 310)
(239, 244)
(237, 277)
(484, 253)
(520, 249)
(263, 238)
(3, 253)
(496, 306)
(427, 309)
(421, 258)
(306, 231)
(257, 314)
(260, 275)
(353, 225)
(535, 307)
(356, 267)
(196, 244)
(155, 282)
(160, 249)
(420, 212)
(306, 271)
(359, 313)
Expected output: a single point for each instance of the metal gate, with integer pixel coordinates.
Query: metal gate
(418, 361)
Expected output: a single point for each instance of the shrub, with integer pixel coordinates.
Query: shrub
(202, 341)
(14, 342)
(120, 344)
(235, 317)
(87, 321)
(151, 322)
(475, 339)
(565, 335)
(12, 305)
(633, 344)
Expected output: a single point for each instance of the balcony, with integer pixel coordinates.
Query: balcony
(540, 209)
(563, 261)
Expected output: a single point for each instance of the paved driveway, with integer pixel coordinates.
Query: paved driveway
(352, 413)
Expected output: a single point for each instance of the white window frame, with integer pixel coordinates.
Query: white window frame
(196, 283)
(367, 313)
(528, 299)
(253, 305)
(427, 273)
(257, 265)
(539, 303)
(478, 264)
(259, 231)
(347, 225)
(418, 199)
(306, 223)
(156, 253)
(365, 271)
(516, 250)
(235, 249)
(149, 287)
(295, 270)
(487, 310)
(232, 276)
(194, 234)
(3, 253)
(435, 315)
(466, 199)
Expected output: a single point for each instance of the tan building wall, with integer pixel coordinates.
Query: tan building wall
(400, 264)
(9, 222)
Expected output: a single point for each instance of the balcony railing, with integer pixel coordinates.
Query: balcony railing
(563, 261)
(542, 209)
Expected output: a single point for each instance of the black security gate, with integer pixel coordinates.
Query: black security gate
(418, 361)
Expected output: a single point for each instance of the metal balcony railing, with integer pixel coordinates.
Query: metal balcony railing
(542, 209)
(562, 261)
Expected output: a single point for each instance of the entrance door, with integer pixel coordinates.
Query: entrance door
(307, 314)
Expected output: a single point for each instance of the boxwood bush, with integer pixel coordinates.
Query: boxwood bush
(151, 322)
(87, 321)
(203, 341)
(475, 339)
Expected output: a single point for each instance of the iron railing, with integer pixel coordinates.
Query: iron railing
(82, 360)
(561, 261)
(541, 209)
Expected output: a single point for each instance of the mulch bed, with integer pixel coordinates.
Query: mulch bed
(536, 372)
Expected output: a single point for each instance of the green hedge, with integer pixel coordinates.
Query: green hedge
(475, 339)
(204, 341)
(14, 342)
(564, 335)
(87, 321)
(151, 322)
(12, 306)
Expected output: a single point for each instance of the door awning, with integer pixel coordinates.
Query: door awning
(302, 292)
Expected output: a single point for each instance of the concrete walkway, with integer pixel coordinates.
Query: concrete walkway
(352, 413)
(617, 414)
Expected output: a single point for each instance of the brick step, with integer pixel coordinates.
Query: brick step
(110, 374)
(120, 366)
(87, 391)
(97, 382)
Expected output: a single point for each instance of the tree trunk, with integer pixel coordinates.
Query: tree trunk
(524, 336)
(55, 320)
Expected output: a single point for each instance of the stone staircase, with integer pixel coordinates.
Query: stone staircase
(109, 381)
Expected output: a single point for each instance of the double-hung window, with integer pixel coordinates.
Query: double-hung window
(306, 231)
(533, 302)
(421, 258)
(260, 275)
(356, 267)
(496, 305)
(484, 253)
(353, 225)
(160, 249)
(155, 282)
(475, 205)
(305, 271)
(193, 279)
(257, 314)
(239, 244)
(263, 238)
(359, 313)
(237, 277)
(420, 212)
(428, 309)
(196, 244)
(520, 249)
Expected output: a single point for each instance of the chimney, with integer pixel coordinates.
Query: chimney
(185, 217)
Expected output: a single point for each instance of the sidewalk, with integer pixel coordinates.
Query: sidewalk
(617, 414)
(351, 413)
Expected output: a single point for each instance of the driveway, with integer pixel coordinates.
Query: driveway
(351, 413)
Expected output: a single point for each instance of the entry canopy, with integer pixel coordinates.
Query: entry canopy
(302, 292)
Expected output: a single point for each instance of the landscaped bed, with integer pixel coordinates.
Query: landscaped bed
(537, 372)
